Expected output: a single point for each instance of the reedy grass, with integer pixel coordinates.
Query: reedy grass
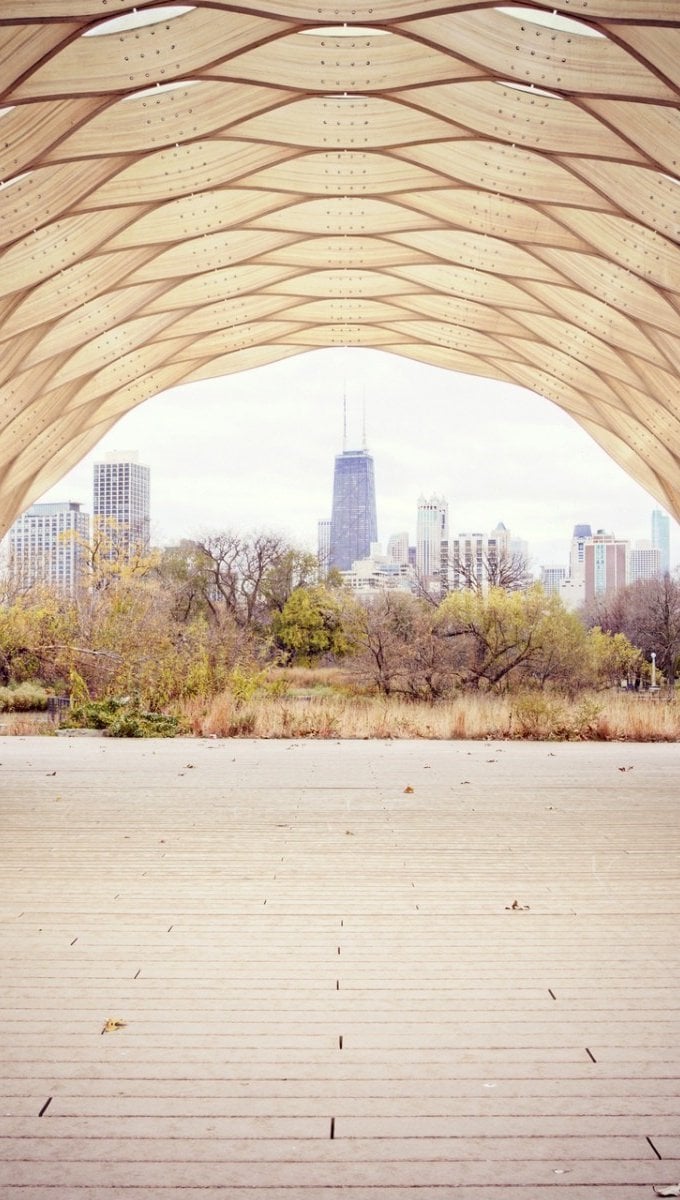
(595, 717)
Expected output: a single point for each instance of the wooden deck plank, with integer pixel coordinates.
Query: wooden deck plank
(325, 988)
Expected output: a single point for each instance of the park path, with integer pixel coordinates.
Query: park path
(385, 970)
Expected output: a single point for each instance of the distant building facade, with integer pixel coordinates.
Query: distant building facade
(467, 554)
(661, 538)
(477, 561)
(323, 546)
(378, 573)
(397, 548)
(121, 502)
(552, 579)
(46, 545)
(354, 522)
(605, 565)
(644, 562)
(573, 587)
(432, 524)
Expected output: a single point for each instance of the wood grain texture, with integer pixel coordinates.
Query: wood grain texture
(523, 159)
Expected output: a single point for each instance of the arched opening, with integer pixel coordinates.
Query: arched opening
(198, 191)
(255, 450)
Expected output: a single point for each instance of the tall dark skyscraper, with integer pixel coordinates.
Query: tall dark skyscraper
(354, 524)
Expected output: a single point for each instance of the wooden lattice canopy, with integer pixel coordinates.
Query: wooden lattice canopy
(195, 190)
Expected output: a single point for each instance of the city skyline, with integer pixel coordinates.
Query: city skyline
(256, 451)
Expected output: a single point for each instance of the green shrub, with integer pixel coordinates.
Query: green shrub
(120, 718)
(26, 697)
(245, 681)
(143, 724)
(540, 717)
(537, 716)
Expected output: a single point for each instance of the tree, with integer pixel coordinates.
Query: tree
(611, 657)
(311, 624)
(507, 570)
(236, 568)
(506, 637)
(110, 554)
(184, 572)
(36, 631)
(397, 648)
(648, 613)
(294, 569)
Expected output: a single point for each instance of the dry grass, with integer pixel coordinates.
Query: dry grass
(312, 677)
(639, 719)
(324, 713)
(603, 717)
(25, 725)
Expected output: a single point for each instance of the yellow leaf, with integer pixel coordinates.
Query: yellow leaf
(113, 1023)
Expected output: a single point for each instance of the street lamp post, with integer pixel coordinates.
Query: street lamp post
(653, 684)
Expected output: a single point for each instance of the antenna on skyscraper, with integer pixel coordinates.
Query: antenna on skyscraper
(344, 420)
(363, 421)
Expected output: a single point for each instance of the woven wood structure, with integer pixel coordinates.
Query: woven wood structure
(196, 190)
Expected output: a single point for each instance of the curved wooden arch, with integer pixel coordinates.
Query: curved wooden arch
(193, 190)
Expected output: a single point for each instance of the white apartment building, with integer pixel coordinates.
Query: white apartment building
(552, 578)
(121, 501)
(644, 561)
(377, 573)
(432, 524)
(46, 546)
(397, 547)
(473, 558)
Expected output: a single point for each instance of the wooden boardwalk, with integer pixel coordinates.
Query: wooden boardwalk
(331, 985)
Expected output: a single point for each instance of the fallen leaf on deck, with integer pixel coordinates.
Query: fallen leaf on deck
(625, 768)
(113, 1023)
(516, 907)
(408, 789)
(672, 1189)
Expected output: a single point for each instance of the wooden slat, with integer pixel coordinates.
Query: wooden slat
(322, 982)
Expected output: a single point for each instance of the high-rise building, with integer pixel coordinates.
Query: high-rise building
(121, 502)
(478, 561)
(577, 556)
(519, 549)
(354, 523)
(46, 545)
(432, 528)
(661, 538)
(605, 565)
(397, 548)
(323, 546)
(552, 579)
(644, 561)
(573, 587)
(468, 561)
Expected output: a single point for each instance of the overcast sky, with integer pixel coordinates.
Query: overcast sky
(256, 451)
